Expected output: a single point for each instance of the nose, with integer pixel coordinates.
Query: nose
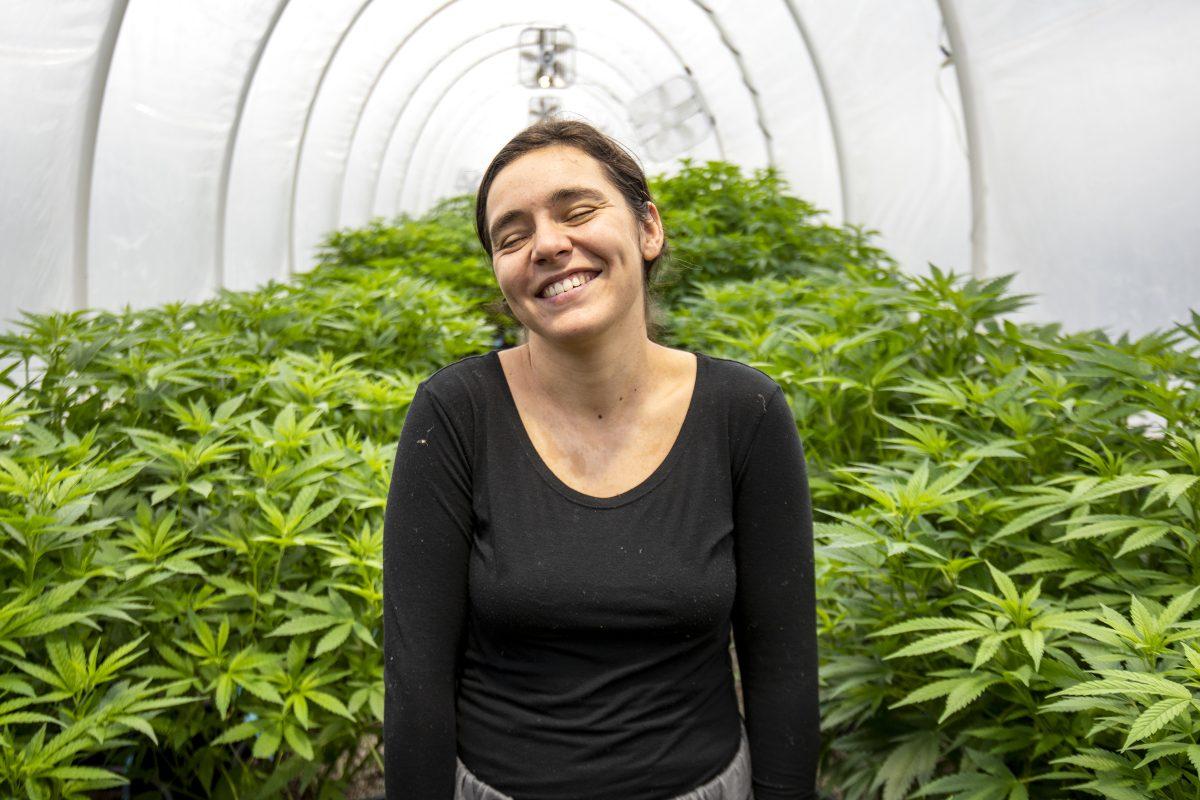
(550, 241)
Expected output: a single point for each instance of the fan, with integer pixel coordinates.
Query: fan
(541, 108)
(467, 181)
(671, 118)
(547, 58)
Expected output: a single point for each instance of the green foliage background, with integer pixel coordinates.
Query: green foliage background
(191, 505)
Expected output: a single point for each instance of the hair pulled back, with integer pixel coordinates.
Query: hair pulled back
(619, 166)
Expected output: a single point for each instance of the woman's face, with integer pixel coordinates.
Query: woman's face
(553, 211)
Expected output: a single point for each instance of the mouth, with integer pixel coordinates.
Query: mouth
(570, 295)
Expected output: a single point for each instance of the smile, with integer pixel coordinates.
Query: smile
(569, 294)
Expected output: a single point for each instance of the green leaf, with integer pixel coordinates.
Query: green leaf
(224, 694)
(1132, 683)
(237, 733)
(85, 774)
(1144, 536)
(299, 741)
(966, 692)
(942, 641)
(912, 760)
(928, 624)
(1152, 720)
(266, 744)
(307, 624)
(1005, 585)
(330, 703)
(333, 638)
(1035, 645)
(1176, 609)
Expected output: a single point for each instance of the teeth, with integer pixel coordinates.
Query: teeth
(578, 279)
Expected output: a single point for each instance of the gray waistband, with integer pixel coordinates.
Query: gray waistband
(733, 782)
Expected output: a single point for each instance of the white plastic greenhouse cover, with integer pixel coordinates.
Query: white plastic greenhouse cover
(155, 150)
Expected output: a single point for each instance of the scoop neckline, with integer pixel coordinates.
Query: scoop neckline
(628, 496)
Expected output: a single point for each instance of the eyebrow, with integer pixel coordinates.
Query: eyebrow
(564, 195)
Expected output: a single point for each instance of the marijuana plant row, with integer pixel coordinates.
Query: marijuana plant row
(191, 505)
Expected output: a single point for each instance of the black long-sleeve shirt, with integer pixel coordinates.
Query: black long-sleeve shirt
(568, 646)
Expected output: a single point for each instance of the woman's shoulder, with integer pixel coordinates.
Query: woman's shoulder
(739, 381)
(461, 377)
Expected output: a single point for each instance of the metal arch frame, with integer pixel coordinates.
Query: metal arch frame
(312, 102)
(596, 89)
(421, 131)
(231, 143)
(408, 35)
(404, 179)
(971, 121)
(418, 82)
(835, 127)
(412, 32)
(749, 84)
(591, 86)
(604, 96)
(87, 166)
(712, 119)
(83, 207)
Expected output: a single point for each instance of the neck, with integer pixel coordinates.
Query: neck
(598, 385)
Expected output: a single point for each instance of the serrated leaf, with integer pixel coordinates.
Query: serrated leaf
(988, 648)
(1007, 588)
(1177, 608)
(1144, 536)
(307, 624)
(1035, 645)
(237, 733)
(927, 624)
(138, 724)
(941, 641)
(1152, 720)
(1120, 682)
(85, 774)
(330, 703)
(333, 638)
(968, 690)
(299, 741)
(1193, 754)
(266, 744)
(912, 760)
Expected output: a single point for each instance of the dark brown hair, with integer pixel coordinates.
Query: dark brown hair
(622, 171)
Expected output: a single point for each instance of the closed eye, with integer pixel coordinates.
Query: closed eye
(514, 239)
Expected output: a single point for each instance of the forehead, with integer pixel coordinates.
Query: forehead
(533, 178)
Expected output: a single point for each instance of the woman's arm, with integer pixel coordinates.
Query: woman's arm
(774, 615)
(426, 541)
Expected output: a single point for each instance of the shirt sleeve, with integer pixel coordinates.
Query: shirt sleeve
(427, 532)
(774, 614)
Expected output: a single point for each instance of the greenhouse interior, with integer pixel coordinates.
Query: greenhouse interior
(240, 238)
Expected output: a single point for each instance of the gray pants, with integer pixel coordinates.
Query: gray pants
(733, 782)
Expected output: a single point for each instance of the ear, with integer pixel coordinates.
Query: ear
(651, 233)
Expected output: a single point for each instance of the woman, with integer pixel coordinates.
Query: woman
(574, 524)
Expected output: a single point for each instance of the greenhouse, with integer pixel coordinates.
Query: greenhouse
(251, 250)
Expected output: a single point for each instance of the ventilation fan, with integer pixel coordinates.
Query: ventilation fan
(467, 181)
(671, 118)
(541, 108)
(547, 58)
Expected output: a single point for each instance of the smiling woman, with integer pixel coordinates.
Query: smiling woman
(615, 181)
(576, 525)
